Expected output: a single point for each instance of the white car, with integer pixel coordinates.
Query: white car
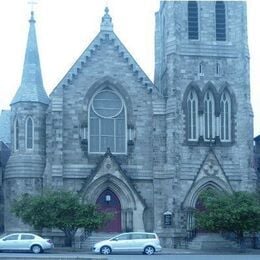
(25, 242)
(144, 242)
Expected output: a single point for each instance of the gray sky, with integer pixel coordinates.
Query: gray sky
(66, 27)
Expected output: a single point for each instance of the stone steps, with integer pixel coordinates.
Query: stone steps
(211, 241)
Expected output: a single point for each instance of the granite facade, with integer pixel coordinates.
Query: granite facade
(162, 171)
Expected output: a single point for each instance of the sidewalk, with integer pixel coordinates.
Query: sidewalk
(173, 251)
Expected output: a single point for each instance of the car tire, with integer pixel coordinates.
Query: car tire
(36, 249)
(149, 250)
(105, 250)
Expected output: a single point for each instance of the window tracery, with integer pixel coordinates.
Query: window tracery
(107, 121)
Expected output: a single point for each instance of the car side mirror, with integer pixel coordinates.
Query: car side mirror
(115, 239)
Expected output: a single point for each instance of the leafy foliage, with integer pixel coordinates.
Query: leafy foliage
(59, 209)
(238, 212)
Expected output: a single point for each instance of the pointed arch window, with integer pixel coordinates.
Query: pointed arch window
(209, 116)
(16, 135)
(220, 12)
(192, 120)
(217, 69)
(225, 117)
(201, 69)
(193, 20)
(107, 122)
(29, 133)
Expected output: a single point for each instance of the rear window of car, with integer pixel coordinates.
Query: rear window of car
(27, 237)
(138, 236)
(150, 236)
(142, 236)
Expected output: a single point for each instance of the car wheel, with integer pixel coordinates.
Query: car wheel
(149, 250)
(36, 249)
(105, 250)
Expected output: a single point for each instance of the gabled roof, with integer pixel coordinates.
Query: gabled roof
(106, 33)
(5, 128)
(31, 88)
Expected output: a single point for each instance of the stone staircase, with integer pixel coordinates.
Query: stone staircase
(94, 238)
(211, 241)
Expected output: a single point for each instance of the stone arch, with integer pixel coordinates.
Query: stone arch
(192, 86)
(117, 86)
(122, 191)
(202, 185)
(196, 190)
(132, 208)
(211, 87)
(226, 87)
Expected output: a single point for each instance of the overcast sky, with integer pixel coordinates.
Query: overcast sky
(66, 27)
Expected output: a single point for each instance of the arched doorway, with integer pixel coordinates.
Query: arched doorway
(199, 205)
(109, 202)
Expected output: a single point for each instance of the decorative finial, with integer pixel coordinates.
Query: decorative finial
(32, 20)
(32, 3)
(106, 24)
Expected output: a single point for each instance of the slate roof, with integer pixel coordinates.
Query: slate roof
(5, 130)
(107, 33)
(31, 88)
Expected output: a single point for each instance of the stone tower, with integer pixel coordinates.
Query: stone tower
(202, 69)
(27, 161)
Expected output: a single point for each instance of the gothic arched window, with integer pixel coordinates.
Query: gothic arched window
(192, 116)
(29, 133)
(201, 71)
(107, 122)
(225, 117)
(217, 69)
(16, 135)
(220, 12)
(209, 116)
(193, 20)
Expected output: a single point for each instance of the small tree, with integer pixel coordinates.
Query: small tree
(238, 213)
(59, 209)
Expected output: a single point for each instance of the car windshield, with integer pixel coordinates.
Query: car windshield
(3, 235)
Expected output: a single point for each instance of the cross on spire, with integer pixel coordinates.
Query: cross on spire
(32, 3)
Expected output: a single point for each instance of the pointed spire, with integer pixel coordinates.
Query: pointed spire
(31, 88)
(106, 24)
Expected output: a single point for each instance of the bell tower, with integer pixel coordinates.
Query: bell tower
(27, 161)
(202, 70)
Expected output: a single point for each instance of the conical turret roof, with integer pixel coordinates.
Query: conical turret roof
(31, 88)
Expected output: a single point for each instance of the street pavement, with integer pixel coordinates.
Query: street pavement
(60, 253)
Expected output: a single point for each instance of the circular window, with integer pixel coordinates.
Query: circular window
(107, 104)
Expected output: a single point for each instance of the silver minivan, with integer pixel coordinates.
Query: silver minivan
(144, 242)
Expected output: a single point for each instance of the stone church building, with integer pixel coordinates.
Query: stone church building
(144, 150)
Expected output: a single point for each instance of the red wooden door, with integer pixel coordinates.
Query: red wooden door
(109, 202)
